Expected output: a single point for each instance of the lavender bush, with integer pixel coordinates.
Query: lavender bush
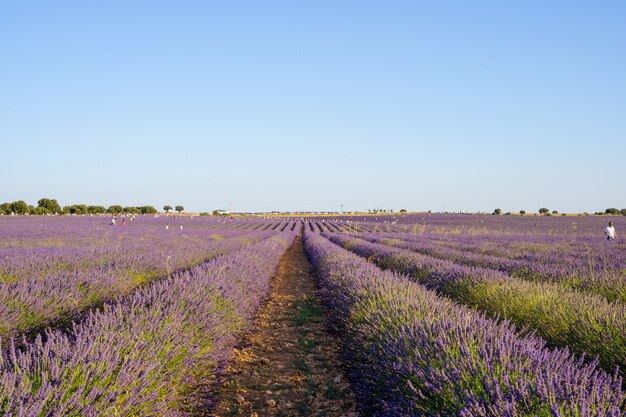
(154, 352)
(412, 353)
(584, 323)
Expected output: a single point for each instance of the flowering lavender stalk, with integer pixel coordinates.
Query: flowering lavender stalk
(53, 286)
(412, 353)
(154, 352)
(573, 270)
(585, 323)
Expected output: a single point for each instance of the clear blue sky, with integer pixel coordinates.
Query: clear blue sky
(309, 105)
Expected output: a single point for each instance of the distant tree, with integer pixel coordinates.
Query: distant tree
(205, 213)
(612, 211)
(115, 209)
(623, 211)
(5, 208)
(402, 210)
(19, 207)
(131, 210)
(41, 211)
(522, 212)
(497, 211)
(555, 212)
(49, 204)
(216, 212)
(147, 210)
(544, 210)
(180, 209)
(67, 209)
(81, 209)
(167, 209)
(96, 209)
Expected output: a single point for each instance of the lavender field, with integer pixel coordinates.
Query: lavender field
(438, 315)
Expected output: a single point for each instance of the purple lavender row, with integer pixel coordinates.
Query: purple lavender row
(47, 295)
(411, 353)
(584, 323)
(608, 283)
(155, 352)
(590, 253)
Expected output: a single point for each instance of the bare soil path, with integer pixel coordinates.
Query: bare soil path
(288, 365)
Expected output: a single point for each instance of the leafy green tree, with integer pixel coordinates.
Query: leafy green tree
(19, 207)
(96, 209)
(402, 210)
(623, 211)
(131, 210)
(147, 210)
(49, 204)
(115, 209)
(5, 208)
(41, 211)
(555, 212)
(612, 211)
(544, 210)
(180, 209)
(216, 212)
(167, 209)
(80, 209)
(522, 212)
(497, 211)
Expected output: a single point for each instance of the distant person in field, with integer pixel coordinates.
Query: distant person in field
(610, 232)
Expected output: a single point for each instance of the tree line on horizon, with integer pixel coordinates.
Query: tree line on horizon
(51, 206)
(546, 212)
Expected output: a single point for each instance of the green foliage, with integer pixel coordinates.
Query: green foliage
(40, 211)
(623, 211)
(96, 209)
(76, 209)
(5, 208)
(19, 207)
(167, 209)
(216, 212)
(544, 210)
(204, 213)
(147, 210)
(555, 212)
(131, 210)
(115, 209)
(497, 211)
(522, 212)
(49, 204)
(613, 211)
(402, 210)
(180, 209)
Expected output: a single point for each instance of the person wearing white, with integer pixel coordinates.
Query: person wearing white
(610, 232)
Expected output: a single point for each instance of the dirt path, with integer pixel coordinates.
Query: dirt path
(288, 365)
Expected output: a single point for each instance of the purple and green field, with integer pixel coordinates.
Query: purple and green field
(437, 315)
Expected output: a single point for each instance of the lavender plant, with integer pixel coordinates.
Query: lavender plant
(412, 353)
(154, 352)
(584, 323)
